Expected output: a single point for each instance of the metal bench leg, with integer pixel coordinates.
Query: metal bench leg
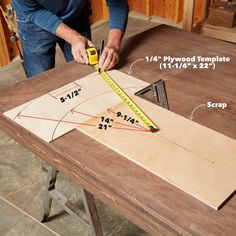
(47, 202)
(89, 217)
(91, 212)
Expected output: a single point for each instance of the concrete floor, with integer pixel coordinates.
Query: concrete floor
(22, 178)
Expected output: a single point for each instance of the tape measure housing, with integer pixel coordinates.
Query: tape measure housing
(92, 55)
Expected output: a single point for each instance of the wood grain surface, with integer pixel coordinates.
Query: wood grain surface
(193, 158)
(145, 199)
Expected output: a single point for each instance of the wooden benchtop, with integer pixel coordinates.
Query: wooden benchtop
(145, 199)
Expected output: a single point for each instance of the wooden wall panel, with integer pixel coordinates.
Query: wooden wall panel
(139, 6)
(159, 8)
(171, 9)
(149, 7)
(97, 10)
(130, 5)
(11, 47)
(179, 11)
(4, 54)
(105, 11)
(188, 16)
(198, 11)
(168, 9)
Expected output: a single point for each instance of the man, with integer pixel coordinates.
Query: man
(44, 23)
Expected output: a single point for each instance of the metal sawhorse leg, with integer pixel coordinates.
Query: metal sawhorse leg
(89, 217)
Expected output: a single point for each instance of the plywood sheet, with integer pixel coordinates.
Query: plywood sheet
(48, 117)
(192, 157)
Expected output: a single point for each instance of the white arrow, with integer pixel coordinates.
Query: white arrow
(191, 116)
(130, 71)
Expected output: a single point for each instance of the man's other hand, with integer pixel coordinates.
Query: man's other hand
(109, 58)
(110, 55)
(78, 48)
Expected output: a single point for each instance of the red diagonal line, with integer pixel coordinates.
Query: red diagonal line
(131, 129)
(52, 96)
(84, 114)
(65, 91)
(18, 115)
(142, 127)
(87, 124)
(50, 119)
(110, 110)
(77, 84)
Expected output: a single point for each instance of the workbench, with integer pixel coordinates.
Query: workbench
(145, 199)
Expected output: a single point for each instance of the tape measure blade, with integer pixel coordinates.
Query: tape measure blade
(129, 102)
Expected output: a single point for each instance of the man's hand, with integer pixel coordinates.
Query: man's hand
(78, 47)
(77, 41)
(110, 55)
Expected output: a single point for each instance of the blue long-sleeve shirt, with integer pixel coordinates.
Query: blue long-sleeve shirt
(50, 14)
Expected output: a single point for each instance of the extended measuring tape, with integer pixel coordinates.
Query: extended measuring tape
(93, 61)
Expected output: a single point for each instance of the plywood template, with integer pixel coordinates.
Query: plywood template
(192, 157)
(49, 118)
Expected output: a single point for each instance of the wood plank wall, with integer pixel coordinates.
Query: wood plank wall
(10, 48)
(4, 54)
(168, 9)
(99, 10)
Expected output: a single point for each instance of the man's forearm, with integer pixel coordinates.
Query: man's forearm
(66, 33)
(114, 39)
(78, 42)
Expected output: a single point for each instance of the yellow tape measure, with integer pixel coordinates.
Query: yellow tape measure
(121, 93)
